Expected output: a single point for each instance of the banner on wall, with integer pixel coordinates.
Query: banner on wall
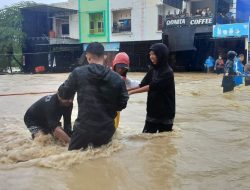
(112, 46)
(230, 30)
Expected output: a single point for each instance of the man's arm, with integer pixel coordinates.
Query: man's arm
(123, 97)
(145, 82)
(67, 121)
(130, 89)
(147, 78)
(56, 129)
(61, 135)
(139, 90)
(216, 63)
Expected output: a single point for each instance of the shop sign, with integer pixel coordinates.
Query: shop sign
(230, 30)
(189, 21)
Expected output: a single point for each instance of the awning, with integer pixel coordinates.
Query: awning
(51, 10)
(229, 38)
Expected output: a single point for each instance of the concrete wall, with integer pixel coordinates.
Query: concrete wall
(74, 26)
(144, 19)
(70, 4)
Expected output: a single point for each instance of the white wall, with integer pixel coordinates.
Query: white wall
(70, 4)
(73, 19)
(74, 26)
(144, 19)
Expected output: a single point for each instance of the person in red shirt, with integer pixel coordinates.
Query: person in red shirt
(219, 65)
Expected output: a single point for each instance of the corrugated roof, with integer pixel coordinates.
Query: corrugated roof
(49, 9)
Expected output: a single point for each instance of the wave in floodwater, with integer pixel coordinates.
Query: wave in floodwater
(18, 149)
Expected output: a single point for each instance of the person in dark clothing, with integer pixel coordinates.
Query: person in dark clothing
(101, 93)
(247, 71)
(228, 83)
(43, 117)
(160, 85)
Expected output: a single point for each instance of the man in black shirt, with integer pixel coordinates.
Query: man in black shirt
(101, 93)
(43, 117)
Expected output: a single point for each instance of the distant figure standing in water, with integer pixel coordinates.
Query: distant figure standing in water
(247, 71)
(160, 85)
(43, 117)
(209, 64)
(228, 83)
(239, 70)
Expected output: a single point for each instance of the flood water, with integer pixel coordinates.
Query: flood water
(209, 148)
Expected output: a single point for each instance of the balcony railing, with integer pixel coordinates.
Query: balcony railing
(57, 40)
(227, 18)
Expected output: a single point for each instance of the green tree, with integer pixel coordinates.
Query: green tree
(11, 34)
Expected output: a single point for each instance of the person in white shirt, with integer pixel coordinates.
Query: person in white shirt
(121, 66)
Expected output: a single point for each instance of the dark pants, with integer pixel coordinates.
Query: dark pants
(219, 70)
(156, 127)
(228, 84)
(247, 82)
(81, 138)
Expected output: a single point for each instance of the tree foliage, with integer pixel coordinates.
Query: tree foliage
(11, 34)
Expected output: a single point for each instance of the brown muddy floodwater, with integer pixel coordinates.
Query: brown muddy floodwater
(209, 148)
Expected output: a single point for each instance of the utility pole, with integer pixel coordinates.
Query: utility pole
(9, 56)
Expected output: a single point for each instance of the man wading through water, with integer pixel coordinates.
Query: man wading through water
(101, 93)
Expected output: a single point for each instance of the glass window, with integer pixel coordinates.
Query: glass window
(65, 29)
(96, 23)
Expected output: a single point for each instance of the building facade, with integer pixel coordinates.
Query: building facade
(186, 26)
(188, 32)
(51, 39)
(124, 25)
(128, 25)
(232, 33)
(94, 21)
(71, 23)
(133, 20)
(135, 26)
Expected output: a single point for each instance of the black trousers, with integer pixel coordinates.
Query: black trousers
(228, 84)
(156, 127)
(247, 82)
(81, 139)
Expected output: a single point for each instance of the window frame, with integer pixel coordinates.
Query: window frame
(96, 31)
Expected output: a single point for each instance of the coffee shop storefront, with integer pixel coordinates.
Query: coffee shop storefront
(189, 40)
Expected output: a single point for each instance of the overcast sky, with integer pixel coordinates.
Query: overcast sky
(4, 3)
